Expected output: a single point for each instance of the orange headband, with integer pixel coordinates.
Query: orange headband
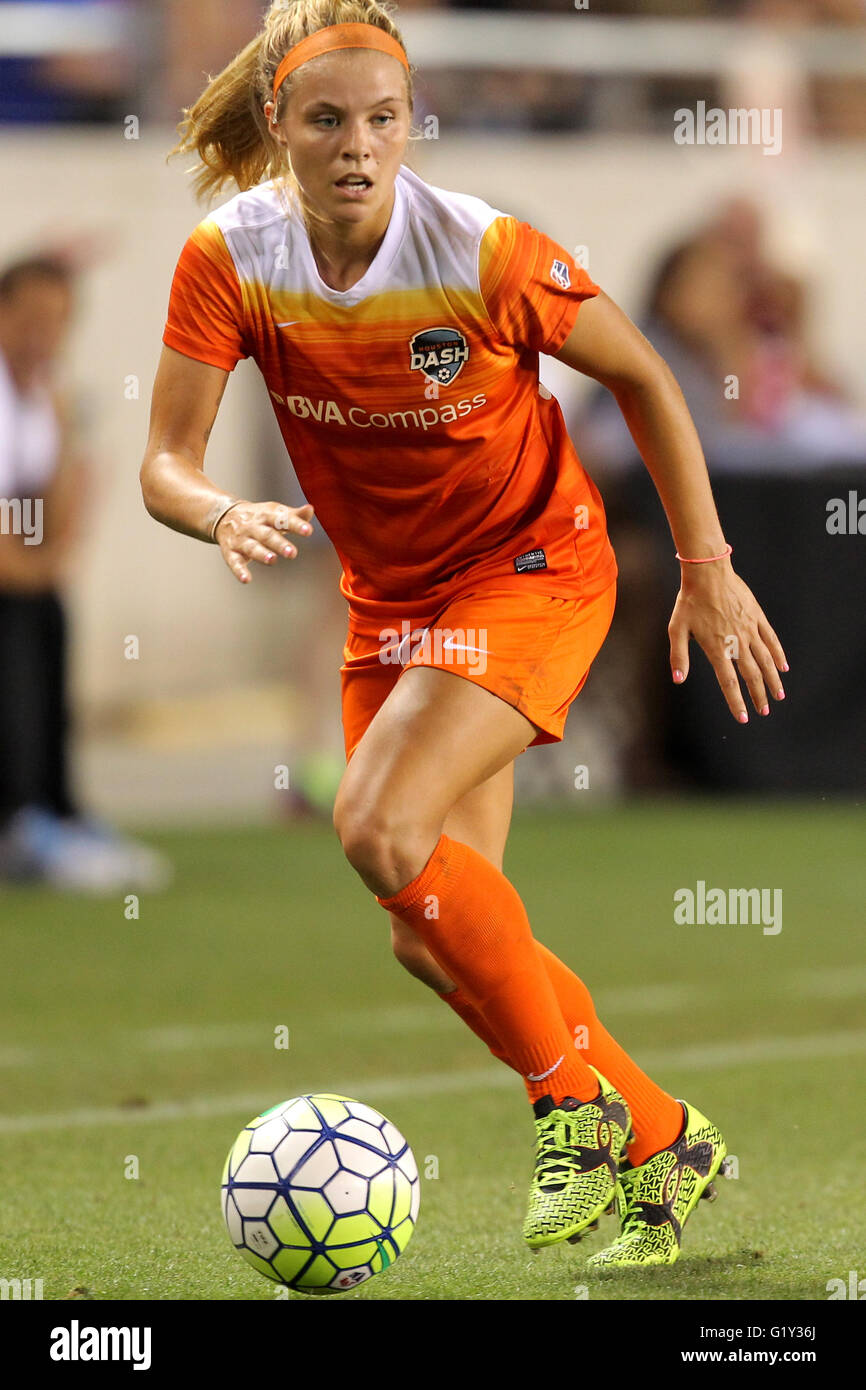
(337, 36)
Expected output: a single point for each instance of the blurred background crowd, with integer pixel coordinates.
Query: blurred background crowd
(148, 55)
(137, 687)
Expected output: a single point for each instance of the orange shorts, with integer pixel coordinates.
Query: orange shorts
(532, 650)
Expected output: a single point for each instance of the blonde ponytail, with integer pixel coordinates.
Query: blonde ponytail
(226, 126)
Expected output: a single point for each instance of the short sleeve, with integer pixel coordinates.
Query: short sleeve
(532, 288)
(206, 309)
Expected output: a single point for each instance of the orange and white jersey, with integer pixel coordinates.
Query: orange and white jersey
(410, 403)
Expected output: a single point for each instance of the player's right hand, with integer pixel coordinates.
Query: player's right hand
(256, 531)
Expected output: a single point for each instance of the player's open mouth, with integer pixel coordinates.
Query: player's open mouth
(354, 185)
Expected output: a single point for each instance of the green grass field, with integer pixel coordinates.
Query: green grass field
(155, 1038)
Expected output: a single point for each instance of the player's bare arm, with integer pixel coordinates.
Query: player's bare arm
(714, 605)
(176, 491)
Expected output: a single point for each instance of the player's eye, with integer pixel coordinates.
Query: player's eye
(328, 120)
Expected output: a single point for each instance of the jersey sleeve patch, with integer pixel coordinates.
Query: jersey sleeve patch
(532, 288)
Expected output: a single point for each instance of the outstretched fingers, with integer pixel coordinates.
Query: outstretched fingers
(256, 532)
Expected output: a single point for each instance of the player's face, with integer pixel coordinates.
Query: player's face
(347, 114)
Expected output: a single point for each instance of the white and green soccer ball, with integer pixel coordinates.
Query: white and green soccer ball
(320, 1192)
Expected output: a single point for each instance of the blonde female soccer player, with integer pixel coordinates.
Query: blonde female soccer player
(398, 327)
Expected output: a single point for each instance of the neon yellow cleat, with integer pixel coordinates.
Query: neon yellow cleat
(655, 1200)
(579, 1147)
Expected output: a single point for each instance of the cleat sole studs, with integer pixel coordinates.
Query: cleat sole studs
(576, 1239)
(709, 1193)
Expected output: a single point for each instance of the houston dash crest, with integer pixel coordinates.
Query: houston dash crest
(439, 353)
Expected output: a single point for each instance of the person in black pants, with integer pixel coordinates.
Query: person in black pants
(44, 835)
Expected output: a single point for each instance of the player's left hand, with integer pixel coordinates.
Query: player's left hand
(254, 531)
(722, 614)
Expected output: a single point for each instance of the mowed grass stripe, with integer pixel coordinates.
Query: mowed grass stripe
(400, 1018)
(406, 1018)
(707, 1057)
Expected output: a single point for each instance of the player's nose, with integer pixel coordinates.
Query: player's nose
(357, 141)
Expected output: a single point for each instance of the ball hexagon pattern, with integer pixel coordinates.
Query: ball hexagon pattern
(320, 1193)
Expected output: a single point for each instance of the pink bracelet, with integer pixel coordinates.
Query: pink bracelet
(728, 550)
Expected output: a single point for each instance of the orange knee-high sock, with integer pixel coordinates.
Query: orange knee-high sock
(657, 1118)
(474, 924)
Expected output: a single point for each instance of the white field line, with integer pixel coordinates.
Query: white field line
(199, 1037)
(21, 1056)
(831, 982)
(215, 1037)
(400, 1018)
(252, 1103)
(660, 998)
(711, 1056)
(645, 999)
(753, 1051)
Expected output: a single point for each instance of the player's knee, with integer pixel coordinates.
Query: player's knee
(368, 848)
(373, 841)
(357, 829)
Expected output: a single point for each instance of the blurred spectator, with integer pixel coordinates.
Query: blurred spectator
(733, 329)
(685, 9)
(152, 57)
(806, 11)
(197, 38)
(44, 836)
(88, 82)
(732, 326)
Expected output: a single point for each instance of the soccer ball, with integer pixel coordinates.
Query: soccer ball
(320, 1192)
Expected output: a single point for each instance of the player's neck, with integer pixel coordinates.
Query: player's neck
(343, 252)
